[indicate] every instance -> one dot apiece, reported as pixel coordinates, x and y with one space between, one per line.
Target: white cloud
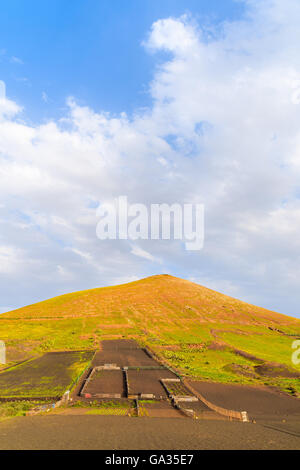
137 251
8 108
2 90
16 60
45 97
223 130
9 259
173 35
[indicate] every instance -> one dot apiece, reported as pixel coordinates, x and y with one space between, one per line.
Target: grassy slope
196 329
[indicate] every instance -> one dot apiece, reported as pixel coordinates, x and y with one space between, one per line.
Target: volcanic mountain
198 331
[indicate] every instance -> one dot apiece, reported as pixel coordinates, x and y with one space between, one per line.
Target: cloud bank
223 130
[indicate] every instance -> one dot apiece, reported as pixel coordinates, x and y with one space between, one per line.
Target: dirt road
112 432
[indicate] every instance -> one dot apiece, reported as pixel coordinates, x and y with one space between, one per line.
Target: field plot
261 403
47 376
201 411
124 357
147 382
105 407
158 409
119 344
177 388
106 382
109 412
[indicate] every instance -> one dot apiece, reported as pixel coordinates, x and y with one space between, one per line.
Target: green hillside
200 332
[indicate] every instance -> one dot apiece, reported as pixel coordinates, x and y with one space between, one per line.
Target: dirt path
112 432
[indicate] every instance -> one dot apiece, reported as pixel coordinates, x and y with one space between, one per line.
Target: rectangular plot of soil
257 401
178 389
161 409
124 358
197 406
47 376
106 382
148 382
119 344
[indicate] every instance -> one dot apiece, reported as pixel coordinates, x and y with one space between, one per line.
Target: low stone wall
108 367
171 380
239 415
125 374
80 382
186 412
137 407
102 395
186 399
85 381
17 364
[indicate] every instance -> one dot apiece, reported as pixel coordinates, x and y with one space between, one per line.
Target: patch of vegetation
148 402
102 404
16 408
108 411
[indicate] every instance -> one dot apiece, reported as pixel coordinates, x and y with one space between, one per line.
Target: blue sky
90 49
161 101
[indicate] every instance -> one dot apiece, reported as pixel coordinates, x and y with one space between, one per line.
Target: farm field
124 357
177 389
152 402
199 332
144 377
48 376
111 407
158 409
143 381
106 381
119 345
261 403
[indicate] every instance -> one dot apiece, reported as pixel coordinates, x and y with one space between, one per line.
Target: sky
175 101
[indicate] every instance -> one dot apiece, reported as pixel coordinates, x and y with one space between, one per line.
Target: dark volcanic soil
106 381
260 403
159 409
148 381
123 357
275 370
118 344
50 371
113 432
